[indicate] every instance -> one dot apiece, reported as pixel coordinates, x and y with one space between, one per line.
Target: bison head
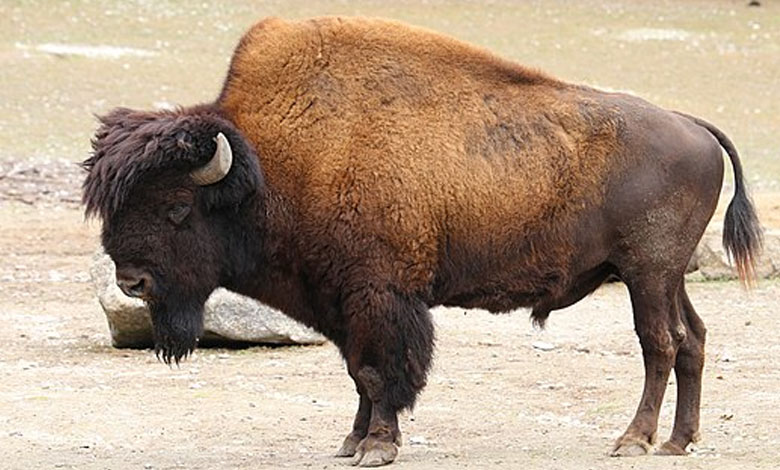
173 189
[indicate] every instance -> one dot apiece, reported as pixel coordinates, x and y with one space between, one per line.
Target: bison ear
184 141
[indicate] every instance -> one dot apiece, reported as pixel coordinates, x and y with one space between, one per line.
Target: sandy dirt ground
69 400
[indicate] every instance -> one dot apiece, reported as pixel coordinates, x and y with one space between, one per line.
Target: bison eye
178 212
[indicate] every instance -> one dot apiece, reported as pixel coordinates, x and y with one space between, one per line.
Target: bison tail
742 233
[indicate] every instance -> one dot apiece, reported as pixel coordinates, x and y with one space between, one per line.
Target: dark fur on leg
394 356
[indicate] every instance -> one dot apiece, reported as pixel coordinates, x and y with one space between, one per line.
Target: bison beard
178 325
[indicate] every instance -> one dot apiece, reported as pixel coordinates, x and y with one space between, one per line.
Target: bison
354 173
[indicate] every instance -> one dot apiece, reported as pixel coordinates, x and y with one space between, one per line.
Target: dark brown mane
130 145
125 148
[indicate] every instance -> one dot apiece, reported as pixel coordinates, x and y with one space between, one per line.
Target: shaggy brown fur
381 169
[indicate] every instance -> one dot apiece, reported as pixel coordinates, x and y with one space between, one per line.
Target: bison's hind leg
671 334
688 367
660 329
388 349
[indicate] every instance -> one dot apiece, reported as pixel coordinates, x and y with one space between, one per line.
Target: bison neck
260 243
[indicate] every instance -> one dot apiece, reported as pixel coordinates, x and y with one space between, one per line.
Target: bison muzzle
354 173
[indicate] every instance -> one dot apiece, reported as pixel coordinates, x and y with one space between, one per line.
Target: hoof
628 446
373 452
670 448
349 447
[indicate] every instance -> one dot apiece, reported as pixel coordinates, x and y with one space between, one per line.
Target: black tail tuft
742 234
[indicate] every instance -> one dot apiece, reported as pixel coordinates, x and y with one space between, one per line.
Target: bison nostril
134 284
138 288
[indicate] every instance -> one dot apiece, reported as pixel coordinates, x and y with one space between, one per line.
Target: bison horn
219 165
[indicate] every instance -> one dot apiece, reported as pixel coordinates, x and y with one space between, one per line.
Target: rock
550 386
726 356
228 317
543 346
711 262
418 441
128 318
232 316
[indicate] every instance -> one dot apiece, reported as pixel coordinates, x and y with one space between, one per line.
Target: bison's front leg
388 351
380 446
359 427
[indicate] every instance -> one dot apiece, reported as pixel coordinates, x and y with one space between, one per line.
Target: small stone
543 346
418 441
555 386
726 356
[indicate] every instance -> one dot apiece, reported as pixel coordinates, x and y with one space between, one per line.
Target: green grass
725 72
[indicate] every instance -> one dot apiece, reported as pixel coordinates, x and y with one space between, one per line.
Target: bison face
166 253
175 191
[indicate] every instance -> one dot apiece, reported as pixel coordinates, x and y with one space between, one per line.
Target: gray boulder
710 262
228 317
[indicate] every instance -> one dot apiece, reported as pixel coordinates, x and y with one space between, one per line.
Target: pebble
726 356
550 386
418 441
543 346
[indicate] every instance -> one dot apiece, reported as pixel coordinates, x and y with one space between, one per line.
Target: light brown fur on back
380 130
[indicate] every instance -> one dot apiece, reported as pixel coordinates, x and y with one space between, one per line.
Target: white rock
93 52
654 34
543 346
